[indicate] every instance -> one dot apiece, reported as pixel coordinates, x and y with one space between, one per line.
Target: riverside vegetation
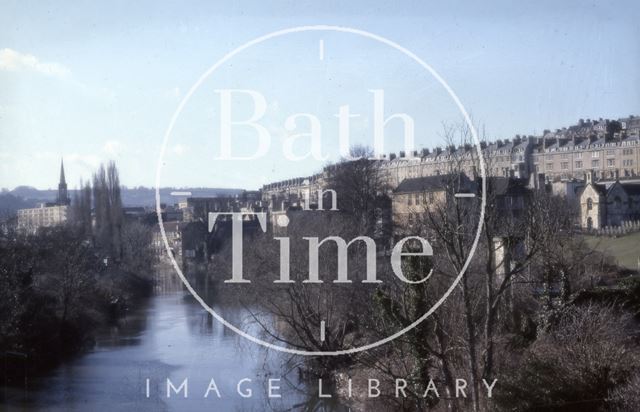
61 283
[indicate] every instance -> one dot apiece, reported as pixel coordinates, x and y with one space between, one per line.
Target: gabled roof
433 183
582 143
505 186
600 188
632 189
522 145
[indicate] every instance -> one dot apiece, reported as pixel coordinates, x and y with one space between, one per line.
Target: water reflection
173 338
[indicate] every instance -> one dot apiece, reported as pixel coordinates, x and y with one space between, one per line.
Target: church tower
63 197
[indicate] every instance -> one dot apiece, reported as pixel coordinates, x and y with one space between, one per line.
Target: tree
360 187
579 364
108 210
81 209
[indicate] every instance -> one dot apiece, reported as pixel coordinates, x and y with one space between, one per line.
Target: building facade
605 147
604 204
47 214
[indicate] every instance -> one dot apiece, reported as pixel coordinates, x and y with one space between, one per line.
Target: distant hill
26 196
9 203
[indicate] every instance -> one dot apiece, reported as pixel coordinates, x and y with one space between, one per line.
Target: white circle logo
283 220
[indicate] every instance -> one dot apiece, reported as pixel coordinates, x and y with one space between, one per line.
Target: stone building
605 204
602 148
47 214
197 209
416 196
172 231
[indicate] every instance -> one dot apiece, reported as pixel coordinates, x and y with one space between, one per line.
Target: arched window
589 204
617 202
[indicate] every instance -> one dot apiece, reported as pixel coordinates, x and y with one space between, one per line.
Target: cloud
179 149
113 147
46 155
11 60
87 160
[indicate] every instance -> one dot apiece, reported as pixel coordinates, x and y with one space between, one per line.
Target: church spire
63 197
62 180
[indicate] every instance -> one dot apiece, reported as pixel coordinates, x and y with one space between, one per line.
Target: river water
171 337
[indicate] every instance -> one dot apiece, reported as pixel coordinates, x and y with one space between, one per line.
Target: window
627 162
595 154
579 164
589 204
579 155
595 163
431 197
409 200
611 162
549 166
611 152
564 156
617 202
564 165
627 152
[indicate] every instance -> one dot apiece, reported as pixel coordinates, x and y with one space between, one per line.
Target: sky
92 82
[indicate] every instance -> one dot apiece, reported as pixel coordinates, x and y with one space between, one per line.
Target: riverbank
171 337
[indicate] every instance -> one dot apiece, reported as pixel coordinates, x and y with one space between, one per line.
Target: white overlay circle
283 32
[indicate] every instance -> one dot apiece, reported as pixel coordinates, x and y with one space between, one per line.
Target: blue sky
91 82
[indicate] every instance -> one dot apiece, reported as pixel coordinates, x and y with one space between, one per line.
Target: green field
625 249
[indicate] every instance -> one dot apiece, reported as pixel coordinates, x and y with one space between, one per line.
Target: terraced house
604 149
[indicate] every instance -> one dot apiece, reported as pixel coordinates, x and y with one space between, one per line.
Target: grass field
625 249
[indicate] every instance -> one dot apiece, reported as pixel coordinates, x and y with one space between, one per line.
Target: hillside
26 196
625 249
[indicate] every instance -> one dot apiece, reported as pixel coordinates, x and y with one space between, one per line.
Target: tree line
61 282
526 311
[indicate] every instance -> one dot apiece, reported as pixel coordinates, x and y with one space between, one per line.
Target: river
169 338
